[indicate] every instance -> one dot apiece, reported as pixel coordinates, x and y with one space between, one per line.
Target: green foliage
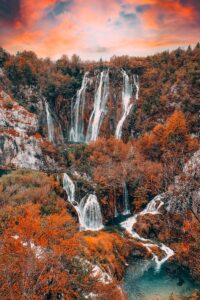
8 104
24 186
197 45
3 57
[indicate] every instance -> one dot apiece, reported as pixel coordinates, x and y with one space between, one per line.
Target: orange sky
98 28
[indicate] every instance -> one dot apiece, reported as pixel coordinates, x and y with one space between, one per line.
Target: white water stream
152 208
99 109
125 200
77 126
49 123
127 101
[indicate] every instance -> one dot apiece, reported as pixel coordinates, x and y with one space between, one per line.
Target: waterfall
127 93
152 208
69 187
125 200
99 109
91 213
77 123
88 210
116 212
49 123
126 103
137 85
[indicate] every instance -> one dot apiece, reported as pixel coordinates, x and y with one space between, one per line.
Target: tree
3 57
197 45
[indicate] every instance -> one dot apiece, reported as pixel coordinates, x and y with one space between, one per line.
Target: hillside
99 162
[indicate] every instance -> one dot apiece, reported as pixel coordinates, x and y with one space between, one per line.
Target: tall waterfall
77 126
126 103
125 200
127 93
152 208
49 123
137 85
88 210
91 213
99 110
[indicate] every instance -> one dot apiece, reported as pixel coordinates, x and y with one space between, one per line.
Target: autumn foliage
42 253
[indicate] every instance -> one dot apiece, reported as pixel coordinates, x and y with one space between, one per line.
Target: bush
8 104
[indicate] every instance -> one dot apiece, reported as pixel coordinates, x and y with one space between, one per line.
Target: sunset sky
98 28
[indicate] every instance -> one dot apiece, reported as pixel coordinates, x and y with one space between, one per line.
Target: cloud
97 28
131 18
142 8
9 11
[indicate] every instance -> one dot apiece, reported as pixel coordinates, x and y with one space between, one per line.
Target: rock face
20 144
184 194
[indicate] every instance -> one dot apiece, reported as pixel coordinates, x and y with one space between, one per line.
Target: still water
141 282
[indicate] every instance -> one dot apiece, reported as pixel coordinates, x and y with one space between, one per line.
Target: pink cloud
101 28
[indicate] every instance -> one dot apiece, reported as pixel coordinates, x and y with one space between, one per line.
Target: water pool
141 282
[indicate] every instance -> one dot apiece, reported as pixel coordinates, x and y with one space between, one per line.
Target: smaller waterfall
49 123
116 212
152 208
126 102
88 210
69 187
91 213
77 122
125 200
99 110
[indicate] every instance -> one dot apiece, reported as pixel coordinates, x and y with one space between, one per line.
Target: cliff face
21 144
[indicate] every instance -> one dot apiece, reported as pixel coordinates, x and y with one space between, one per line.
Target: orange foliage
168 144
113 156
42 255
37 136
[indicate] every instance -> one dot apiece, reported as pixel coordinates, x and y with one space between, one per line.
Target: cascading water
49 123
88 210
137 85
125 200
91 213
152 208
99 110
77 123
126 102
127 93
69 187
116 212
